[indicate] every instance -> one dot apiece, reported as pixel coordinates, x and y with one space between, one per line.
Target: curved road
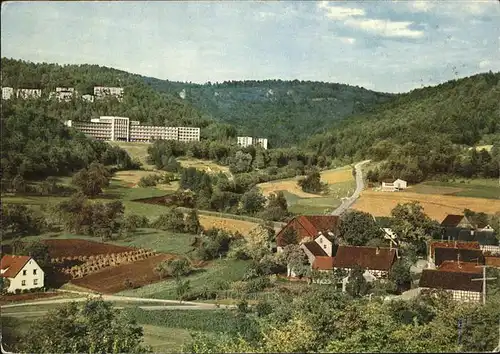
348 202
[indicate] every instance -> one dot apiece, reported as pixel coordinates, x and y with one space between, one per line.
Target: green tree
400 275
289 237
253 201
91 327
311 183
182 288
192 223
357 285
91 181
357 228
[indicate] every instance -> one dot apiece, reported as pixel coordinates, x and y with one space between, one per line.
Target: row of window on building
124 129
63 93
245 141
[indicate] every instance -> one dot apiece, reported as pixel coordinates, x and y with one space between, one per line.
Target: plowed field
76 247
436 206
113 279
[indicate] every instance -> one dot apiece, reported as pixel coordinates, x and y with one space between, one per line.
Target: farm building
308 228
455 278
460 228
464 254
375 260
22 272
397 185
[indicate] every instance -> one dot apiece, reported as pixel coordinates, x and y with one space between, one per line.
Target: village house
309 228
441 251
458 278
22 272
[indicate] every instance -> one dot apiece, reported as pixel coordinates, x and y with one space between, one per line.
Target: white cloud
356 18
421 6
347 40
340 12
484 64
385 28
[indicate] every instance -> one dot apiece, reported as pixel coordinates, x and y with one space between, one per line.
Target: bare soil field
436 206
113 279
291 186
6 299
76 247
232 225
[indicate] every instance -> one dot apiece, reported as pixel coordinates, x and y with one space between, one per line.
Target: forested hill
285 112
426 131
140 102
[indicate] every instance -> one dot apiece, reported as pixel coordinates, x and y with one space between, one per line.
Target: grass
165 340
224 269
195 320
323 204
474 188
205 165
137 151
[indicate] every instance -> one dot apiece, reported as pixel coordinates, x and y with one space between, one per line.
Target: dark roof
452 220
13 265
438 279
315 249
451 254
365 257
323 263
311 225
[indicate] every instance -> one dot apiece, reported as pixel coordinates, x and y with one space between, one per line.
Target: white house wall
32 281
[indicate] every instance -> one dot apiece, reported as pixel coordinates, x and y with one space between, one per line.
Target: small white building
23 273
29 93
245 141
88 98
397 185
7 93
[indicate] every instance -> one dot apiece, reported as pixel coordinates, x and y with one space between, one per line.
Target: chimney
455 244
458 260
377 251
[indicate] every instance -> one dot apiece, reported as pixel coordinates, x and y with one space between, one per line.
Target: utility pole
484 279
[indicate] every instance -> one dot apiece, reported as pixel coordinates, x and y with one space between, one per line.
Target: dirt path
348 202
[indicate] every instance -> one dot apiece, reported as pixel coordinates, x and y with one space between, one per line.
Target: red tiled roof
365 257
462 267
315 249
323 263
437 279
452 220
310 226
13 264
472 245
493 261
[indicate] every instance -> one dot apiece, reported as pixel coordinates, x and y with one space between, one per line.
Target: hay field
232 225
137 151
436 206
290 185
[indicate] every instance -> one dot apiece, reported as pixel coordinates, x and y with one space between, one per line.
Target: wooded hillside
285 112
425 132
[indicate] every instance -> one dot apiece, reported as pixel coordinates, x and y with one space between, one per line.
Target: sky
389 46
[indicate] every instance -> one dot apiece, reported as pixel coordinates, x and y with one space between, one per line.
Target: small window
324 246
23 283
24 272
35 281
34 271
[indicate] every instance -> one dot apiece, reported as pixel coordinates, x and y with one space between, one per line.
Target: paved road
172 304
347 203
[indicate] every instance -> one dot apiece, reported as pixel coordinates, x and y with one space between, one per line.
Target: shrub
263 308
18 291
149 180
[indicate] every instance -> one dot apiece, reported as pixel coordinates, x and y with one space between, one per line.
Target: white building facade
23 273
7 93
245 141
123 129
101 92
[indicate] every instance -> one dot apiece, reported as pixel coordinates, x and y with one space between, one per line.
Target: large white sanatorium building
245 141
122 128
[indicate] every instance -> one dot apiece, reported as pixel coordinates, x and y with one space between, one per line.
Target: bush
149 180
263 308
257 284
18 291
